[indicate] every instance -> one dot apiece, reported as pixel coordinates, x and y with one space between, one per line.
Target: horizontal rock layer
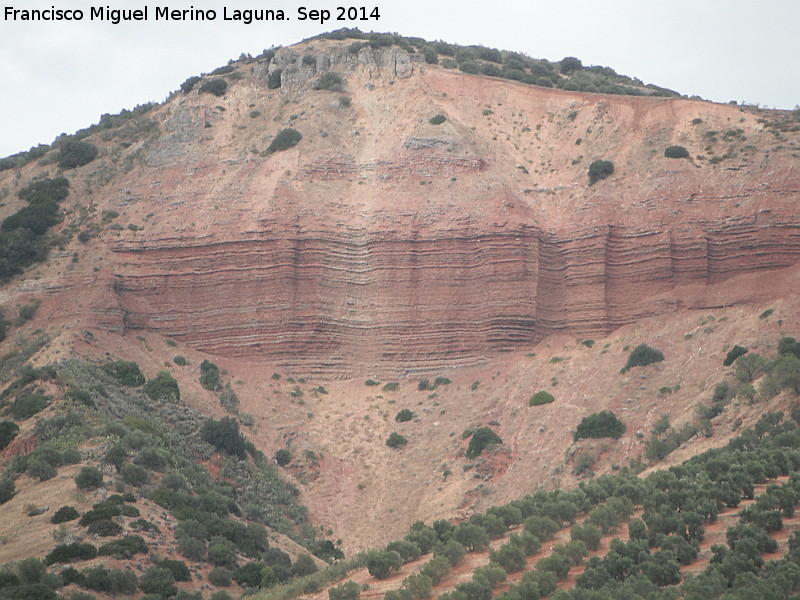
324 303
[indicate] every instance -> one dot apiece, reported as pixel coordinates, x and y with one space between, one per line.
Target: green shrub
283 457
733 354
64 514
392 386
180 360
285 139
600 169
220 576
470 67
40 469
395 440
371 383
163 387
8 431
404 415
482 438
104 528
346 591
209 376
217 87
178 568
73 154
159 581
676 152
27 405
152 458
125 547
304 565
382 564
67 553
188 85
641 356
125 372
541 397
603 424
224 436
330 81
437 120
249 575
89 478
7 489
570 64
134 475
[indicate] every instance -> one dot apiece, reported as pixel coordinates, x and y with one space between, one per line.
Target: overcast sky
58 77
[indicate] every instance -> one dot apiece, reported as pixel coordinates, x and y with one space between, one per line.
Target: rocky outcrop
325 302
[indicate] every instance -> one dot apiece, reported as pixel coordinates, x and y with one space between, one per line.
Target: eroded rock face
385 243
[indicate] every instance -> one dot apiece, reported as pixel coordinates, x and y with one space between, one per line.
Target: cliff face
383 242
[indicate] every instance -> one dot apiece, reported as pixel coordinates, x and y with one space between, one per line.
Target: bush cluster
603 424
285 139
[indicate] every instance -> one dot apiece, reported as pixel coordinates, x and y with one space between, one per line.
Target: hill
325 293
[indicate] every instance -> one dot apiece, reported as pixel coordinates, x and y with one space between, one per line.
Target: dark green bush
73 154
70 553
249 575
153 458
600 169
209 376
437 119
482 438
89 478
217 87
55 189
541 397
382 564
349 590
7 489
125 372
330 81
64 514
27 405
104 528
220 576
180 360
283 457
163 387
430 54
395 440
641 356
676 152
285 139
159 581
224 436
8 431
134 475
40 469
404 415
304 565
570 64
188 85
125 547
733 354
178 568
603 424
470 67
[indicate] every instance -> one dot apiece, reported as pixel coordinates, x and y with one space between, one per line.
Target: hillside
349 241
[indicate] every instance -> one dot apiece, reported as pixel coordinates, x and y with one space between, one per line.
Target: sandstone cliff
385 243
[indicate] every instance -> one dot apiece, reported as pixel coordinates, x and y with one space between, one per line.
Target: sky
60 76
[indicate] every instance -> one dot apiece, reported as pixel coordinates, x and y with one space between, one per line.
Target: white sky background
59 77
